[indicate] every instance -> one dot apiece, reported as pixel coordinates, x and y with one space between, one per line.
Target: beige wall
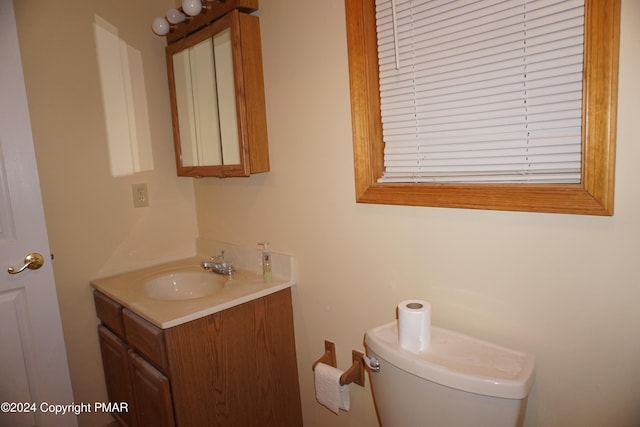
565 288
93 228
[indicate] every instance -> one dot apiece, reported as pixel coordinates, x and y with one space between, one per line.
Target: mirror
203 76
216 114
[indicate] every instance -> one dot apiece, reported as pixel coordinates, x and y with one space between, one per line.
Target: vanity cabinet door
152 394
115 361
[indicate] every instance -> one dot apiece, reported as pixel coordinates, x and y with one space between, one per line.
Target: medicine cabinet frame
250 109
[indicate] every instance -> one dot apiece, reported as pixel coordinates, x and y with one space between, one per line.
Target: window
594 193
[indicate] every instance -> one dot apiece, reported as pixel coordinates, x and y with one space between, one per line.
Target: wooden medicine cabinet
217 95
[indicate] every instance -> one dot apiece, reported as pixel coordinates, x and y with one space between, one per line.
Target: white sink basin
184 285
175 292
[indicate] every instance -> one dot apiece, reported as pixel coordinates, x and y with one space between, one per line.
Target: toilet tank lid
458 361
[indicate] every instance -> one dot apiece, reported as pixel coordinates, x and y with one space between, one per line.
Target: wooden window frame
593 196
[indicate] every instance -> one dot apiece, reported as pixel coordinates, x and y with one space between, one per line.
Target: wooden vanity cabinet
234 368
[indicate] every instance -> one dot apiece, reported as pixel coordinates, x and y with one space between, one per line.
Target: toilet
458 381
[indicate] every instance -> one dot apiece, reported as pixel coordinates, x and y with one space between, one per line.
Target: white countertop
128 290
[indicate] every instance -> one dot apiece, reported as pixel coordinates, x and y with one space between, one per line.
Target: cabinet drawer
146 338
109 312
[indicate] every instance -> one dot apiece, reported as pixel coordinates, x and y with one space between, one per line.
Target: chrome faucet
219 265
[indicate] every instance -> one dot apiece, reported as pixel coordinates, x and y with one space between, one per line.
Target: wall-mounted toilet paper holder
355 374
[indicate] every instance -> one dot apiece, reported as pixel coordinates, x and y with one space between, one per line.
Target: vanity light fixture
174 16
192 7
162 25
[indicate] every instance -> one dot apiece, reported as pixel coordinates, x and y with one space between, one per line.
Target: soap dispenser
267 275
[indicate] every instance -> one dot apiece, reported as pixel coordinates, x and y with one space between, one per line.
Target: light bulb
192 7
174 16
160 26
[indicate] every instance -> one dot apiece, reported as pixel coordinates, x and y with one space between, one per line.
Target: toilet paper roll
414 325
329 391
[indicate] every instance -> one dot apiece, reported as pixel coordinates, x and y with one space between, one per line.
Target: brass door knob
32 261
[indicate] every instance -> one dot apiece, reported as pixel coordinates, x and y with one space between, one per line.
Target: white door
33 364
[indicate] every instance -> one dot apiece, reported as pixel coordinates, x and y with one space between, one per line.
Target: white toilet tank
458 381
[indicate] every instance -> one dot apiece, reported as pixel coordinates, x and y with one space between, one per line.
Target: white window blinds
481 91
